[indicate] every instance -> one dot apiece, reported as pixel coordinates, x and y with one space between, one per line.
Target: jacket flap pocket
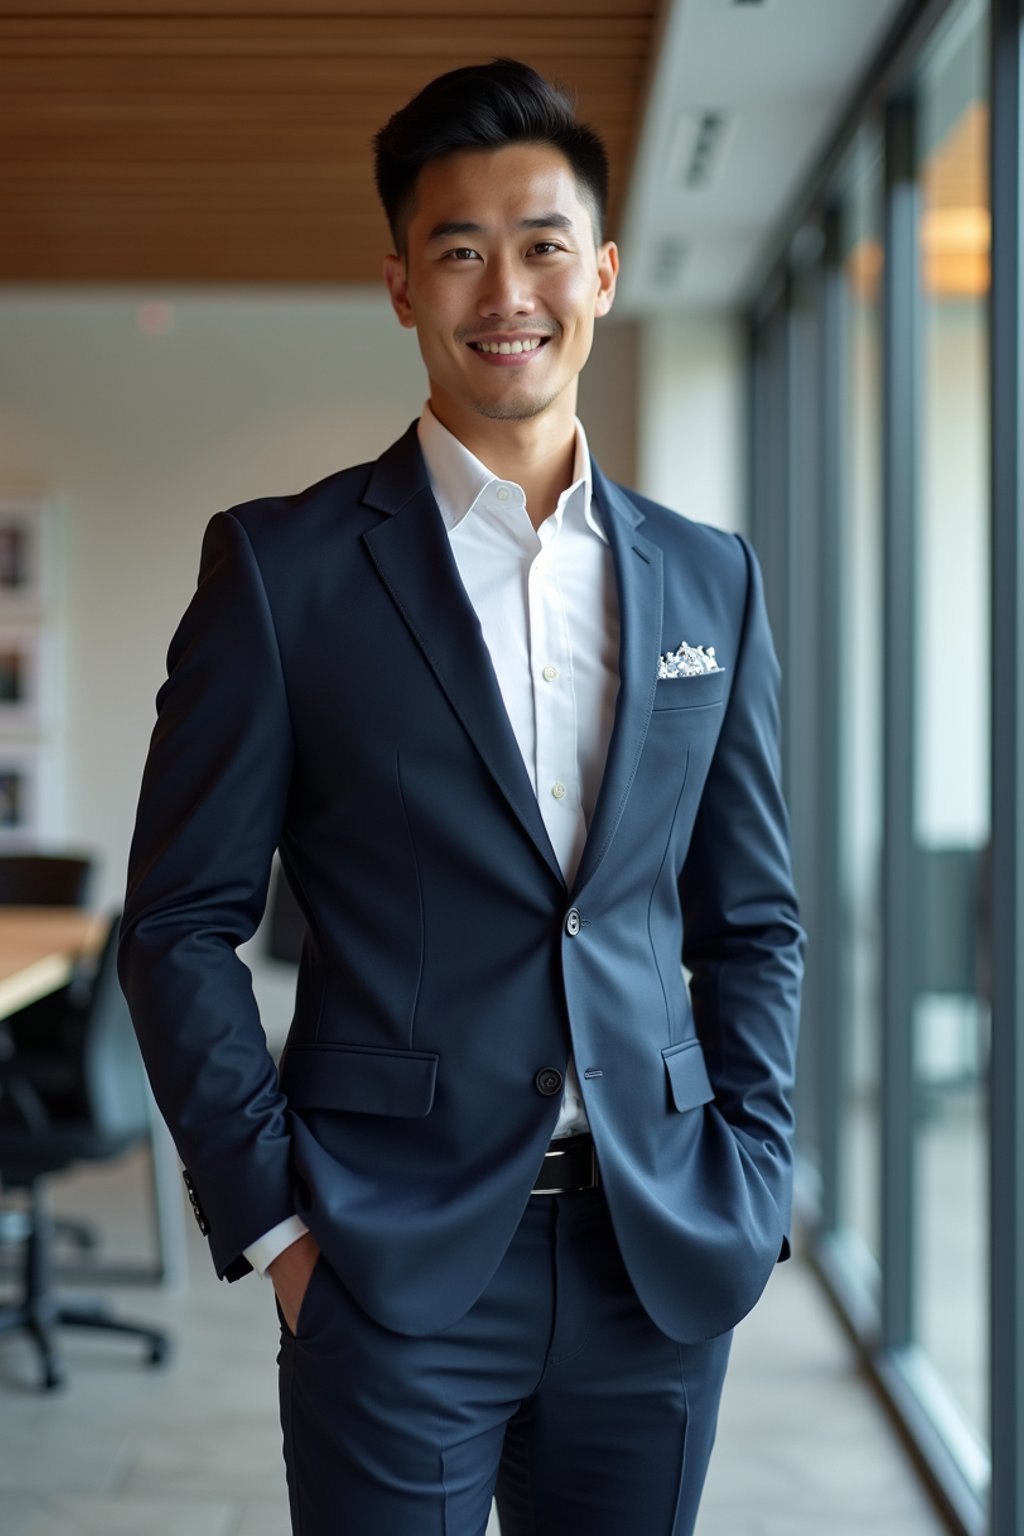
688 1075
360 1079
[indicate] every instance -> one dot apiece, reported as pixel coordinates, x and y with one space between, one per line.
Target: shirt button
550 673
558 790
503 493
573 922
548 1081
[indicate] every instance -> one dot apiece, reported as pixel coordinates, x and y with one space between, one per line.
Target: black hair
485 106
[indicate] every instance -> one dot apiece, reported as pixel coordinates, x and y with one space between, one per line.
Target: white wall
691 446
142 438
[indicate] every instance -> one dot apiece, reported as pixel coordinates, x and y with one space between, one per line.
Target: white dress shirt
548 607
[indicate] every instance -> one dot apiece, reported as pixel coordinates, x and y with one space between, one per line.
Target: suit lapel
412 552
638 573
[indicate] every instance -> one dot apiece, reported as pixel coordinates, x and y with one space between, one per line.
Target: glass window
861 696
952 716
801 721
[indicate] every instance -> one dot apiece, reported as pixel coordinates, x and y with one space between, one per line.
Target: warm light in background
955 232
154 317
955 229
966 231
864 270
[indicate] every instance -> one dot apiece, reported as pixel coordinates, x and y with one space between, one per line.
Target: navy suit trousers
555 1391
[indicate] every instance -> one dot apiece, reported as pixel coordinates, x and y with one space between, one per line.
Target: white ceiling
778 75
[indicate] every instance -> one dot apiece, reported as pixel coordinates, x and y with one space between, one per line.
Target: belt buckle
565 1189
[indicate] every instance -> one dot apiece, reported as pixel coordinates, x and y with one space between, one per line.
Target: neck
539 453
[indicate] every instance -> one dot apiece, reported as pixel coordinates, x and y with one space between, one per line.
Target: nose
506 290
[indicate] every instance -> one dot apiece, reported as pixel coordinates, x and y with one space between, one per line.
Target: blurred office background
818 339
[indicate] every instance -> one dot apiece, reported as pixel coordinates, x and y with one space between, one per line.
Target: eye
546 247
461 253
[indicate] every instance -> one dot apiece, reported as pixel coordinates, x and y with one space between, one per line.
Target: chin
515 407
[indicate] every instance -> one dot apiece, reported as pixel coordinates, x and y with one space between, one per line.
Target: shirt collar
458 479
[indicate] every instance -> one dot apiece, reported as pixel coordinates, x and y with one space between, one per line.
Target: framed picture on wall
19 795
21 677
24 558
30 719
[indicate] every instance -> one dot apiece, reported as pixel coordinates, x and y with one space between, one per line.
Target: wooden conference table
40 948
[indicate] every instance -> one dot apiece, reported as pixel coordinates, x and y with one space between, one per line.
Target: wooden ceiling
227 141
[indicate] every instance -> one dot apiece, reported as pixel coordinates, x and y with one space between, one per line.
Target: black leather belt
570 1163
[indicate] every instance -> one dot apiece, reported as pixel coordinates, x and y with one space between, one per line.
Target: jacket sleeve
742 938
209 818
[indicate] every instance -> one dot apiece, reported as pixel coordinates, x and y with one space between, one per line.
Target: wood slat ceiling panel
385 35
160 142
35 115
270 76
66 11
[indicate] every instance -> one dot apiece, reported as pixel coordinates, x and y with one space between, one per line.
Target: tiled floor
194 1449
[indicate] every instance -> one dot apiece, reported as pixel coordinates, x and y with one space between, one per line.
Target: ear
397 280
607 273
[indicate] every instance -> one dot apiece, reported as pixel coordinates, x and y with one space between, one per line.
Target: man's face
501 281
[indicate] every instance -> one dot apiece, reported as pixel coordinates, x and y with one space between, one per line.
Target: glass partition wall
950 1019
881 322
860 654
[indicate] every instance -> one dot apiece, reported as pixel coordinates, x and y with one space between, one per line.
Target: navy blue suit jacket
330 694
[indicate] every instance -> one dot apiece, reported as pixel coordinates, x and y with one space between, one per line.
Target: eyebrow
466 227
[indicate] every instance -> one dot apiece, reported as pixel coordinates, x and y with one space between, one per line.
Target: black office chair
83 1101
45 879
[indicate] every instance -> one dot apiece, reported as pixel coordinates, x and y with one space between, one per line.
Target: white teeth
509 348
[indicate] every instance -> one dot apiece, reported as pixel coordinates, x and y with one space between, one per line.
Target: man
513 730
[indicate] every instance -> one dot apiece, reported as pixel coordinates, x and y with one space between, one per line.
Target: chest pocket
704 688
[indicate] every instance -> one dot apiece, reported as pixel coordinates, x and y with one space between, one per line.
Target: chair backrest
44 879
113 1076
952 914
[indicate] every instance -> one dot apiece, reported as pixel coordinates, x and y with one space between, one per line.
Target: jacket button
197 1209
548 1081
572 922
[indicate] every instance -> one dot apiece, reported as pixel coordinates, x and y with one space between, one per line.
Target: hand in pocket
290 1273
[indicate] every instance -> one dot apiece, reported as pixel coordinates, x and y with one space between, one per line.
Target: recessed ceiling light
154 317
699 146
669 262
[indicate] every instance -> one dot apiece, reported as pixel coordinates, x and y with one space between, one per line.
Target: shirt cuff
262 1253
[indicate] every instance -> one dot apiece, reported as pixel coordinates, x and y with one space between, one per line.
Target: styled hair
485 106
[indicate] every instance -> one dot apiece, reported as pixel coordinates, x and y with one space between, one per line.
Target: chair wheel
159 1351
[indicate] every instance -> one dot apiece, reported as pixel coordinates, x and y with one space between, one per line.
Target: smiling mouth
509 348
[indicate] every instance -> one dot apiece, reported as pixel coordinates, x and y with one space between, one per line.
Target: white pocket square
688 661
